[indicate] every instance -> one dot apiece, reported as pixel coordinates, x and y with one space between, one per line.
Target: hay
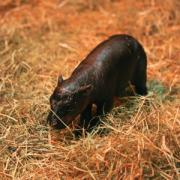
41 39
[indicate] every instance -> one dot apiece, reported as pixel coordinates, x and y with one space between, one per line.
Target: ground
40 40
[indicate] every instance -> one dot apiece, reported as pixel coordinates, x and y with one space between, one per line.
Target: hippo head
67 103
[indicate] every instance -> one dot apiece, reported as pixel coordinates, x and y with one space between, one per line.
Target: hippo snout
55 121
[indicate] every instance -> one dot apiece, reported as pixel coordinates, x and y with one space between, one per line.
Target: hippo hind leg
140 77
139 81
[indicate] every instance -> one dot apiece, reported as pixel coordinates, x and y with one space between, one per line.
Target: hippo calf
101 76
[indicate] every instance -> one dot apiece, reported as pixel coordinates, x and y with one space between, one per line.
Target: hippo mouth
59 123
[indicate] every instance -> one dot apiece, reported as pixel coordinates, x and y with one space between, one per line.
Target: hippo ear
84 90
60 80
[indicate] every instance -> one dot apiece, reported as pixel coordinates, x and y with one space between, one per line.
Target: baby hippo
101 76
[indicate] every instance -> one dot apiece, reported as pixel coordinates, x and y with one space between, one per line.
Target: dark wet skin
101 76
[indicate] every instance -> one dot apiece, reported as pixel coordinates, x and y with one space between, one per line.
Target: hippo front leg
102 109
86 117
85 120
105 107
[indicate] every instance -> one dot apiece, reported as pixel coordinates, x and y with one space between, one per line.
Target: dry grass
40 39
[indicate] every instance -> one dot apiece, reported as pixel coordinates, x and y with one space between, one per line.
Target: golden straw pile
40 40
